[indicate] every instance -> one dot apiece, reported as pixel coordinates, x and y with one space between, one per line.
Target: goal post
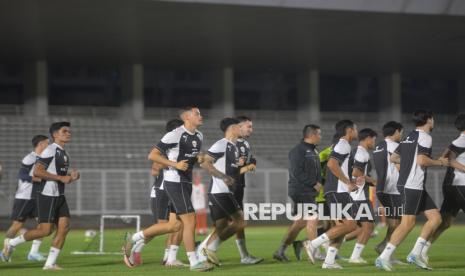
103 218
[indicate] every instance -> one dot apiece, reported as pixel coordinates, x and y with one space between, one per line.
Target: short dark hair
57 126
173 124
460 122
310 129
366 133
391 127
421 116
186 108
243 118
226 122
342 126
37 139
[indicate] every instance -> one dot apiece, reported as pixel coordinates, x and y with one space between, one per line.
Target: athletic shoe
383 264
358 260
128 257
36 257
7 251
211 256
298 245
176 263
137 258
52 267
416 260
251 260
310 251
201 267
424 258
280 257
331 266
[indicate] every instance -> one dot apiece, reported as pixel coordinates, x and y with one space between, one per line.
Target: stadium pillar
223 92
390 97
308 95
461 96
132 87
36 88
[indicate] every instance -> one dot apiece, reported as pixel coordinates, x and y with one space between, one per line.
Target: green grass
446 256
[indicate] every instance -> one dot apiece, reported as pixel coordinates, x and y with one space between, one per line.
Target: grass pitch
446 257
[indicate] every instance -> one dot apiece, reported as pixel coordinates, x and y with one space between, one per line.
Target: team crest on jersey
242 149
194 144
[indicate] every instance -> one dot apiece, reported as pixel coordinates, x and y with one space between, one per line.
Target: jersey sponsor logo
407 141
378 149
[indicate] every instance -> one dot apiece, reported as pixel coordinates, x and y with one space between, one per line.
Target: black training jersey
412 175
244 152
341 152
226 158
56 161
453 176
25 188
177 145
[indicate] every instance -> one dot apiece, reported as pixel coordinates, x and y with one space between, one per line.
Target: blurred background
119 69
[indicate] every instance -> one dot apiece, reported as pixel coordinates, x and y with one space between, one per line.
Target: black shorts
454 199
417 201
392 205
163 205
179 194
222 205
301 200
24 209
239 195
51 208
343 199
368 214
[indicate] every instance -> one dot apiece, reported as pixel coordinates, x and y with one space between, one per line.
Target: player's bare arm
156 156
41 172
333 165
207 164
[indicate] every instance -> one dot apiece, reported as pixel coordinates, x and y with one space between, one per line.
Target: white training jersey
361 159
24 190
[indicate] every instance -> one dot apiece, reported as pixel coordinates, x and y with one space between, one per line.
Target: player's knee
45 230
436 220
175 226
351 225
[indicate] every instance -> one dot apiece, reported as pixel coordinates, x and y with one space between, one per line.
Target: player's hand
74 175
318 187
229 181
200 158
182 165
352 186
241 162
444 161
251 167
66 179
360 181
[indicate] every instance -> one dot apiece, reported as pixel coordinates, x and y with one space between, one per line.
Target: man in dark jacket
304 184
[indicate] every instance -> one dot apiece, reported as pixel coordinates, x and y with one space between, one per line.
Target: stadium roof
178 34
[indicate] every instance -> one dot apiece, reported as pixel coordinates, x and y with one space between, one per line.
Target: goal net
103 242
